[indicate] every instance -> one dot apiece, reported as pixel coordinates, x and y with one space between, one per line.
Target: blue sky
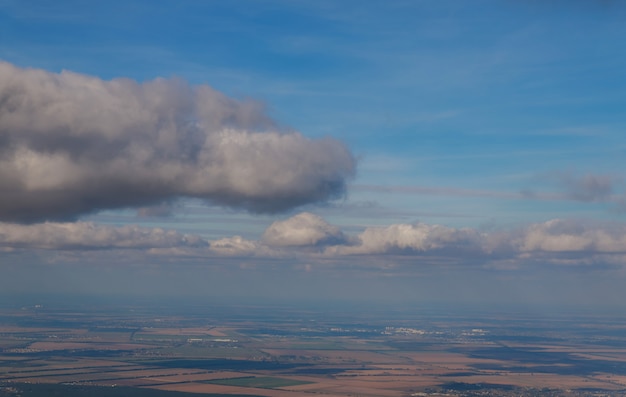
493 117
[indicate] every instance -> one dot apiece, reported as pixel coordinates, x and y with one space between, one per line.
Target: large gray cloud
71 144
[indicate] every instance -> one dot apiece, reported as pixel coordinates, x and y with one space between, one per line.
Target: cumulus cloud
408 238
557 239
71 144
571 236
235 245
87 235
304 229
308 237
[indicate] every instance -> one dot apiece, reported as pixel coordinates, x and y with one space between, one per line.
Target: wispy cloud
588 187
584 188
437 190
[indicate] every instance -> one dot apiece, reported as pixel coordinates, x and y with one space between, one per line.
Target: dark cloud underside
72 144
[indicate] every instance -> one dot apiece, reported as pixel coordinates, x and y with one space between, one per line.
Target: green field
261 382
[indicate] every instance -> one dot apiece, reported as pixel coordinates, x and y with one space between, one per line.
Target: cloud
237 246
437 191
558 241
308 238
570 236
412 238
588 188
304 229
72 144
162 210
87 235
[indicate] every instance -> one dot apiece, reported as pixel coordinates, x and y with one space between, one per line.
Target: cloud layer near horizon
310 238
72 144
87 235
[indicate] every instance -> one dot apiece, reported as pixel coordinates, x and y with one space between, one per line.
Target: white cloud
308 238
71 144
87 235
304 229
569 236
235 245
411 238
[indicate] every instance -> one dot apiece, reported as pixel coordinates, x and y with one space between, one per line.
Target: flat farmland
280 354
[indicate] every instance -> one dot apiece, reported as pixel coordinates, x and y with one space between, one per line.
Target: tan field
285 360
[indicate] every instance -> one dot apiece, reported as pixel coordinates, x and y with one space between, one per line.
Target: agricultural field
263 382
214 351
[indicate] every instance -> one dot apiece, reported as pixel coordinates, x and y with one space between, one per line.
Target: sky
370 151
